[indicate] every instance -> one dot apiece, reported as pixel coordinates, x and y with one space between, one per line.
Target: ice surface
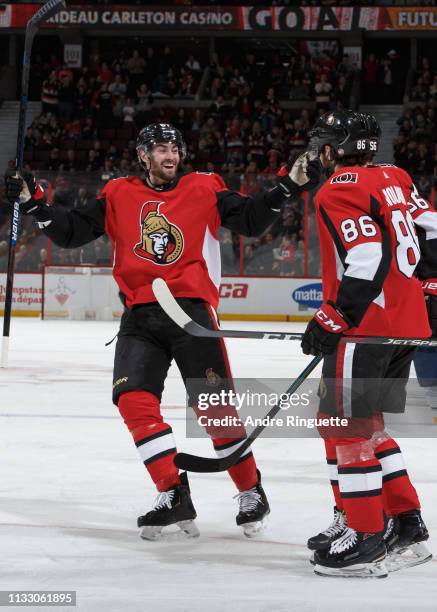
72 486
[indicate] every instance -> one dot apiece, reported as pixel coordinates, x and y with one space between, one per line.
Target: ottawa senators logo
161 241
212 378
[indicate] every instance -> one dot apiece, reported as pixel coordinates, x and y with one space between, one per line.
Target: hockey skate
253 510
323 540
353 555
172 507
406 549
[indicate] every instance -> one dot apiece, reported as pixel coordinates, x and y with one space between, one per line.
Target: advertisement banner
27 294
177 18
411 18
294 298
80 294
276 18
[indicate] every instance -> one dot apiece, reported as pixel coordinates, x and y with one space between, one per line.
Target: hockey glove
429 287
302 175
324 331
26 189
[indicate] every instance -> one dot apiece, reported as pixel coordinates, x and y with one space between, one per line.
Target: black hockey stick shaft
193 463
180 317
49 9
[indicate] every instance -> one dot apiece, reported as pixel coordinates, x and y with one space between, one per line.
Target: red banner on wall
278 18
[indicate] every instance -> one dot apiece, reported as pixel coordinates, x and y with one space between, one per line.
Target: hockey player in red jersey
370 251
165 225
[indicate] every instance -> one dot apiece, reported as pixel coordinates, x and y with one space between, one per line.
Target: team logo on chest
161 242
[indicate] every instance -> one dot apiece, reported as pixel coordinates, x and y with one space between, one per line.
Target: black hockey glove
324 331
429 287
26 189
31 195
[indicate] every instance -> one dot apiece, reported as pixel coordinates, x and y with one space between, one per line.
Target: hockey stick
180 317
49 9
193 463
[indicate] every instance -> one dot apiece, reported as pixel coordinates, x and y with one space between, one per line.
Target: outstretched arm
250 216
68 229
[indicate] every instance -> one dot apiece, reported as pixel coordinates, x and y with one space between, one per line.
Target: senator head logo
160 241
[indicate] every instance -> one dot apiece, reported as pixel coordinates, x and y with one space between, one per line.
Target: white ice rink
72 487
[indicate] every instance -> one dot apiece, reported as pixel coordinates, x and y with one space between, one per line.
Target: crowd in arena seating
415 147
90 116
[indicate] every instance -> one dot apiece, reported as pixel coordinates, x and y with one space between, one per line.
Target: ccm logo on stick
233 290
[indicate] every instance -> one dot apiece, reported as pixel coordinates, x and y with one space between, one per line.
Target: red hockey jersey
172 233
370 250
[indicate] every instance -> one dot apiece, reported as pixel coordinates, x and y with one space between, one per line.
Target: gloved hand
429 287
324 331
26 188
303 174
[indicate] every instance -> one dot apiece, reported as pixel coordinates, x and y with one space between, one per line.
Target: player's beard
158 171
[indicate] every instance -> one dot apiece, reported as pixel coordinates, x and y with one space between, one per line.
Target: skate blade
188 529
251 530
412 555
377 569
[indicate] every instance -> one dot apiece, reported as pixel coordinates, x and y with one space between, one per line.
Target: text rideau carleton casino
144 18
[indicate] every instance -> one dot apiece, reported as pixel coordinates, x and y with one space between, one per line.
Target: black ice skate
253 510
406 549
172 507
324 539
353 555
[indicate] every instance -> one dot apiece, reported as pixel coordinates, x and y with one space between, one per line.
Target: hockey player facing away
166 226
366 219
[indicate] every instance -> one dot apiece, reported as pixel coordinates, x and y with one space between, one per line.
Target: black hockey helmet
157 133
349 133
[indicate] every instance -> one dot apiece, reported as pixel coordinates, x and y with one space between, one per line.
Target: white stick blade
5 352
167 302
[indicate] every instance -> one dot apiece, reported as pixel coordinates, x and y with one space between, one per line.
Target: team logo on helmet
161 242
330 120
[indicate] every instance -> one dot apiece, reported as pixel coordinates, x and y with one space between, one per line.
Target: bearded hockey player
366 217
165 225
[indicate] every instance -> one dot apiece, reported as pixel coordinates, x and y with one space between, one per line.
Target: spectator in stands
136 66
144 100
128 111
66 98
322 90
104 74
93 163
103 106
117 87
370 78
70 164
49 94
341 93
82 199
82 99
88 128
54 161
42 260
192 64
285 256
